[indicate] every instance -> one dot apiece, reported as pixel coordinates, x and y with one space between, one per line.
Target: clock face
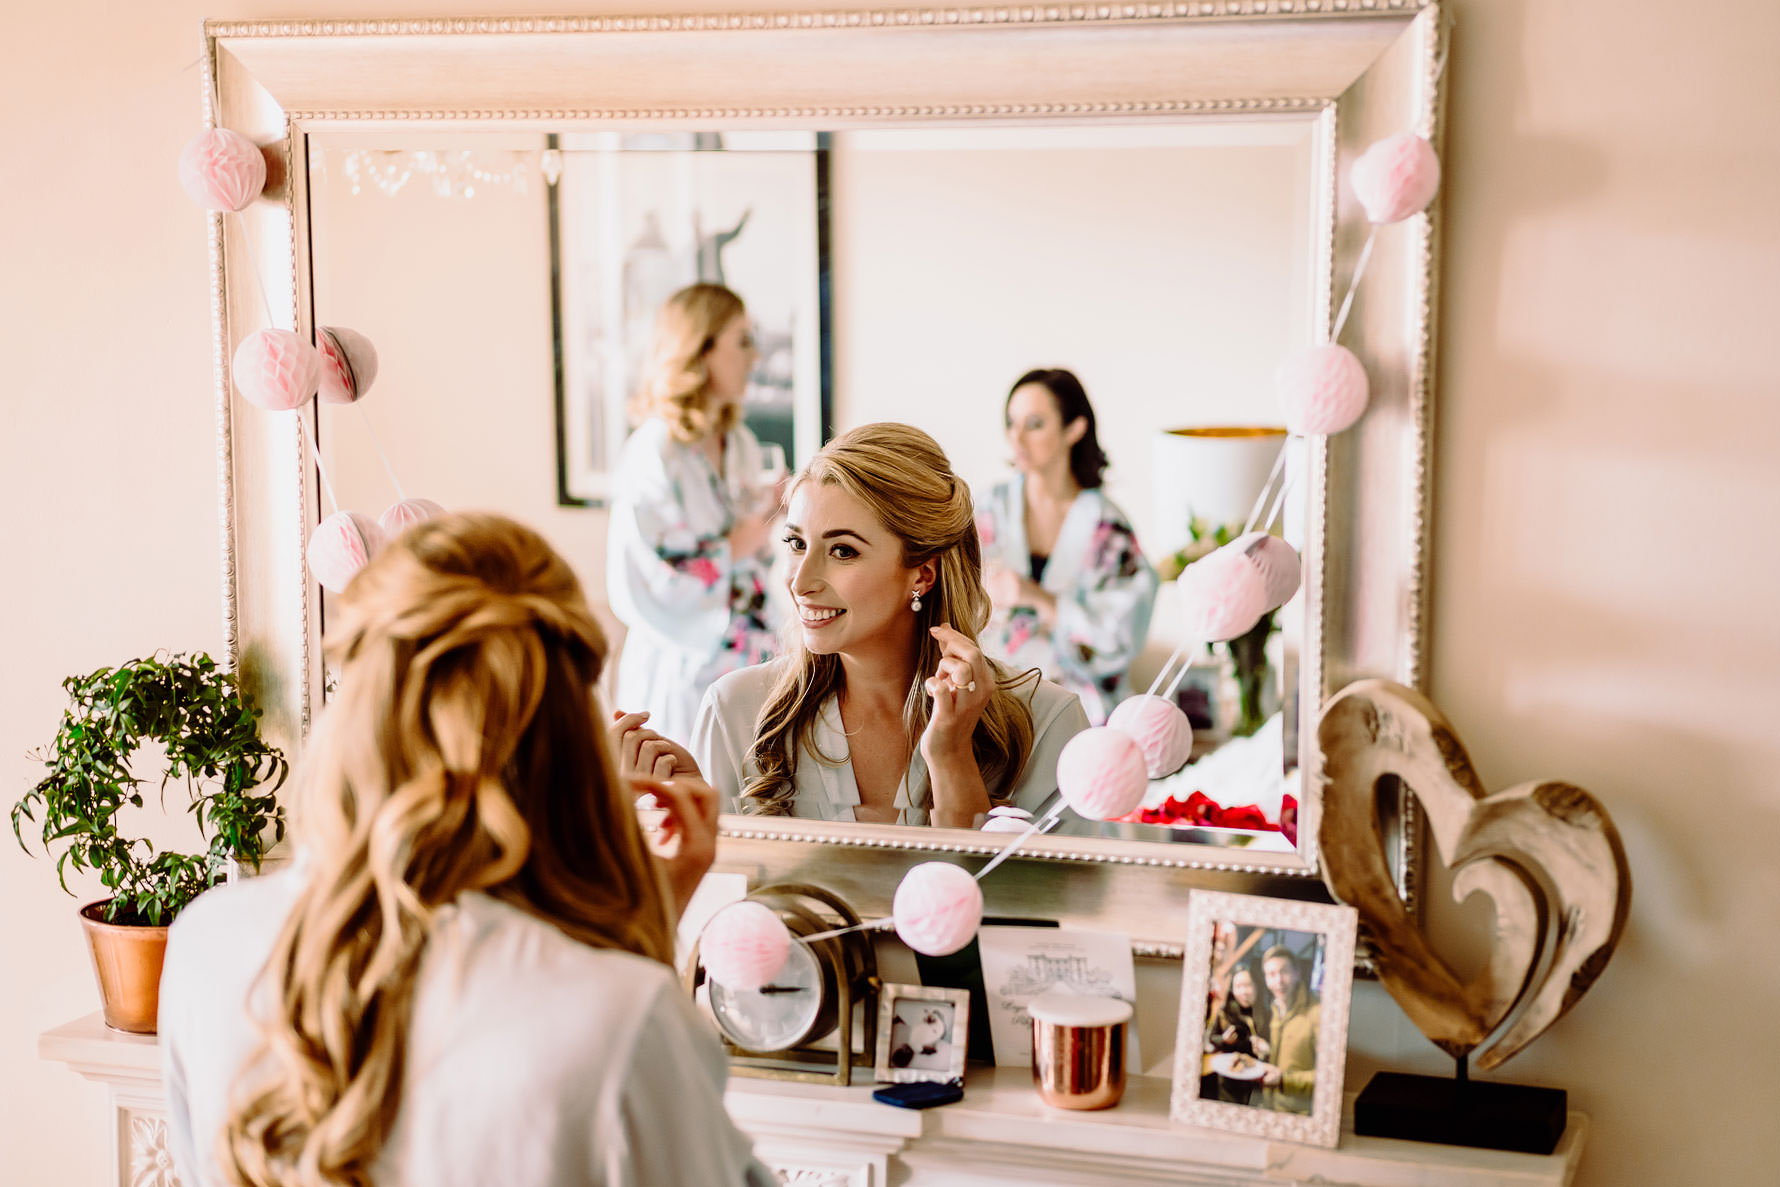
775 1016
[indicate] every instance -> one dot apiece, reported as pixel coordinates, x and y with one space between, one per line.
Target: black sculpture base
1461 1112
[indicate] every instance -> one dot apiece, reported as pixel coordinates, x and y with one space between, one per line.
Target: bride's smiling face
845 572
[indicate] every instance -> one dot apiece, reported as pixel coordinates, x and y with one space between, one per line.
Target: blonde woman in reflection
1072 591
688 542
464 978
884 710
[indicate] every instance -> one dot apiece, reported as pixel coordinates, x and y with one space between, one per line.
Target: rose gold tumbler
1078 1049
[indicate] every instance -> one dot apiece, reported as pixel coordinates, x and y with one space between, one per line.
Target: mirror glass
509 283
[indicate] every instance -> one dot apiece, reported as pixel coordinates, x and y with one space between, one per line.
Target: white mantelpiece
818 1136
130 1068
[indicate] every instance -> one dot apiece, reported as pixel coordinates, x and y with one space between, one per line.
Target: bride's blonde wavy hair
902 475
677 381
463 751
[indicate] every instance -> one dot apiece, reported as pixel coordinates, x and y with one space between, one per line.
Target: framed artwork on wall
633 219
1265 989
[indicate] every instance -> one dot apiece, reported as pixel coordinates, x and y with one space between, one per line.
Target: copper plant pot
127 960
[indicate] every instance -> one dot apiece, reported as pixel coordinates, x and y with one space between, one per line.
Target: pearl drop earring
915 601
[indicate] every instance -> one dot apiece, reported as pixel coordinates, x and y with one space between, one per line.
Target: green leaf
209 733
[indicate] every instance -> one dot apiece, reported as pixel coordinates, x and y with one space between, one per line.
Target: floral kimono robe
1104 588
693 611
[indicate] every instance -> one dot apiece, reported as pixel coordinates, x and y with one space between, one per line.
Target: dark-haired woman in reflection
1234 1026
1072 591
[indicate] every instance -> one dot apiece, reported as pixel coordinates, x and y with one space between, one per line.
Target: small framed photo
922 1034
1265 988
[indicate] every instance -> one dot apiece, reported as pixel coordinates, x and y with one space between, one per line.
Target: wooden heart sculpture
1546 853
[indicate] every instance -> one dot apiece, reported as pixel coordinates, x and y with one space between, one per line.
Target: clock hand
782 989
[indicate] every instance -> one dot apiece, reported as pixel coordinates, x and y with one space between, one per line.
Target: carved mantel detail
151 1162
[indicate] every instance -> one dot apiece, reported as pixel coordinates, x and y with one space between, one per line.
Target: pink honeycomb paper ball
1278 563
744 946
1321 389
276 370
1101 773
222 170
1396 177
340 546
1161 731
1222 595
348 364
937 908
405 514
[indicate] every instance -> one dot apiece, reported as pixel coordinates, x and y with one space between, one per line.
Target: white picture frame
923 1034
1271 940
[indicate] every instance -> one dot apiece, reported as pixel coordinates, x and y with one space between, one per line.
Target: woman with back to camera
1072 591
884 710
688 545
465 976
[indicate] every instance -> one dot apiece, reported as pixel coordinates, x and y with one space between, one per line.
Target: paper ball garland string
272 368
1322 390
277 370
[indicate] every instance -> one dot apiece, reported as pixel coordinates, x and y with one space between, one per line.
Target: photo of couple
1265 1012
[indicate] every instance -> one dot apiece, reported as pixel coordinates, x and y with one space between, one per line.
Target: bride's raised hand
961 686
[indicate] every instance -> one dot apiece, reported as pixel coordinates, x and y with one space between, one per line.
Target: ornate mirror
919 205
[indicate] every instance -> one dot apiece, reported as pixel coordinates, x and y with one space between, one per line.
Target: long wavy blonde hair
676 382
903 476
462 752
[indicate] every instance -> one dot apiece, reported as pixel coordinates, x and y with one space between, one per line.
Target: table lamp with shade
1210 473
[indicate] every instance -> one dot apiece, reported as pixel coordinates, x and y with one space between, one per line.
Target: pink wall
1603 597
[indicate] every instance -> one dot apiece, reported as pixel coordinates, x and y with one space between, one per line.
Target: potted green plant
211 739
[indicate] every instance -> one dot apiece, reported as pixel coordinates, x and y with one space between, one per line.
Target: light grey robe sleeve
179 1115
718 752
668 1123
1056 718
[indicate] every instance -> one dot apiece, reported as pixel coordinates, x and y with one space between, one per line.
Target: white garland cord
1192 649
1039 825
1353 284
1279 463
315 428
381 456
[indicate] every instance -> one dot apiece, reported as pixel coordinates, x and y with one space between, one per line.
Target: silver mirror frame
1362 68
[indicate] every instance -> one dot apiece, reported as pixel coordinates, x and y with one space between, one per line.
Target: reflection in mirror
511 284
